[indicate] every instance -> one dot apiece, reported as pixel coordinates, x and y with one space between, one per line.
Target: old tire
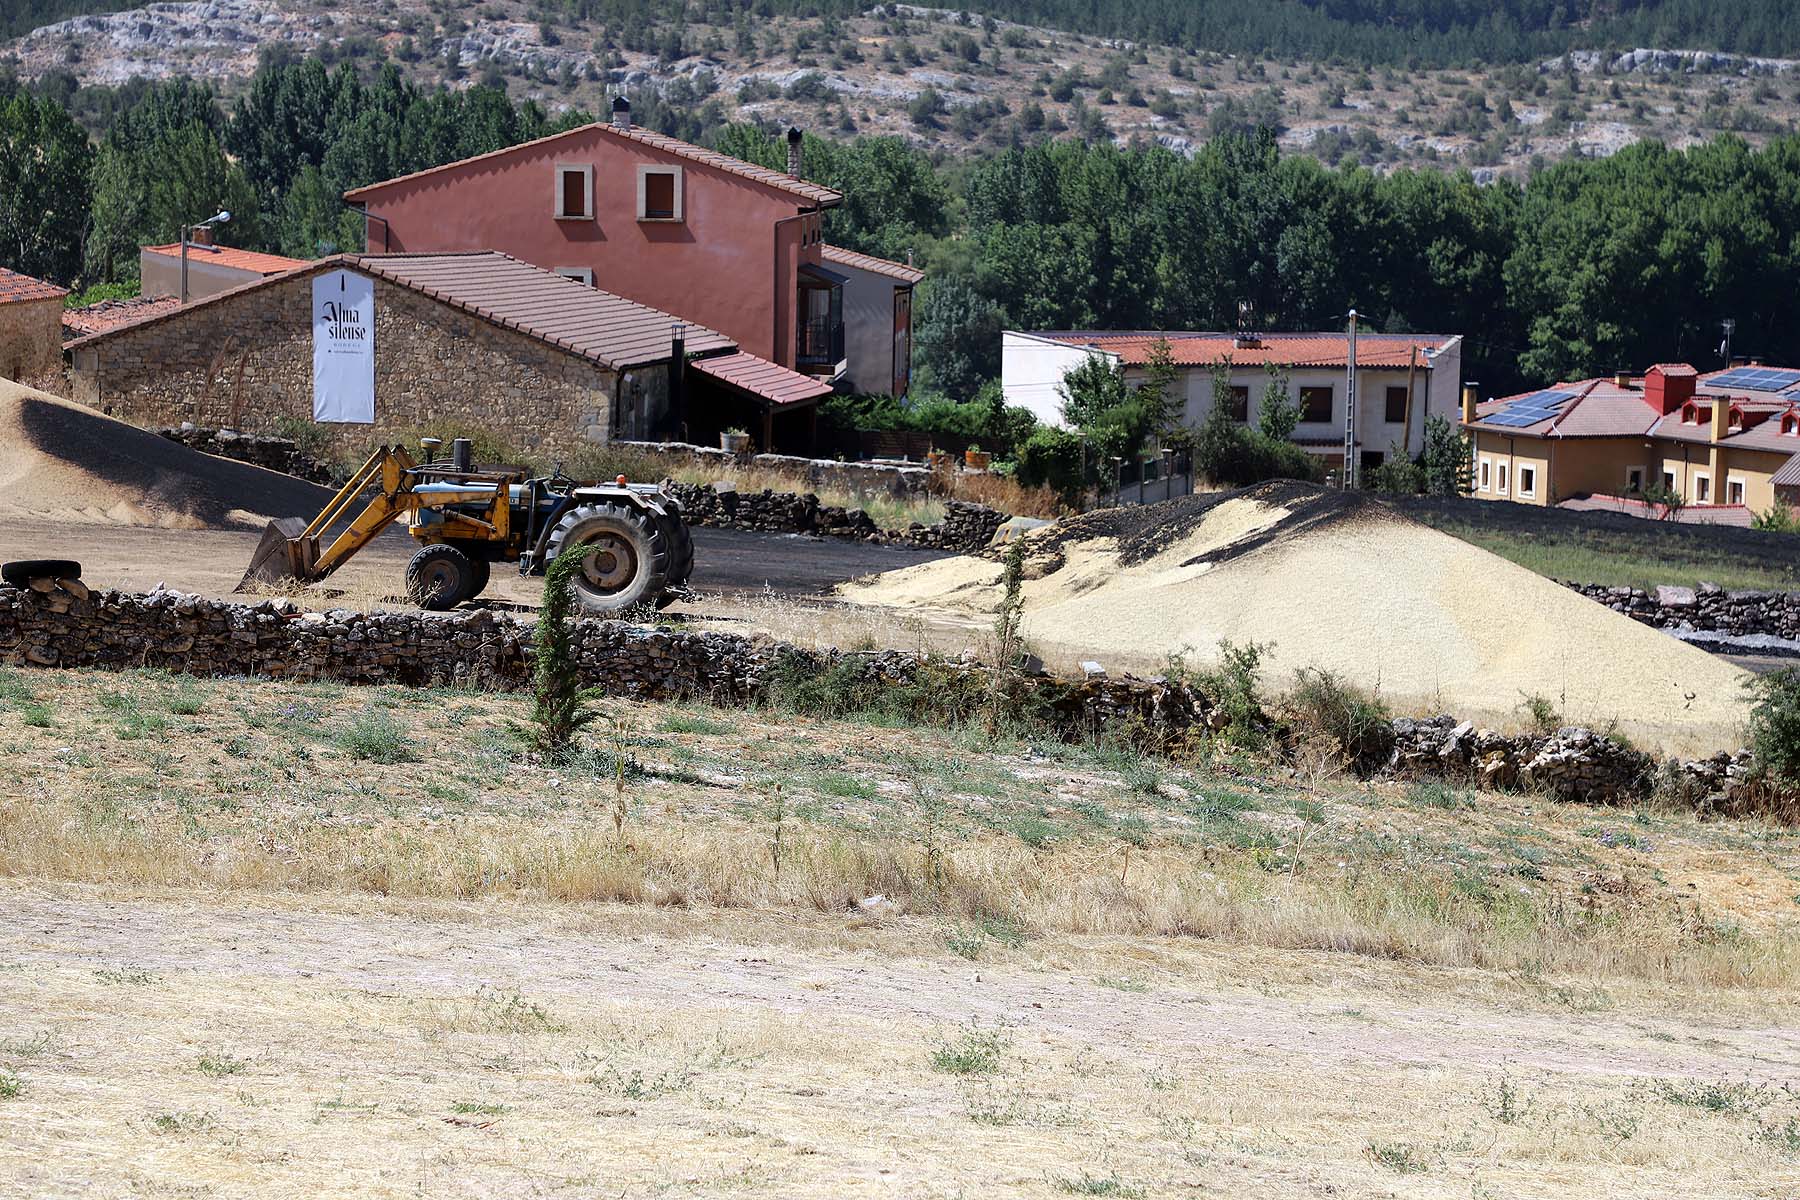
439 577
25 570
681 547
625 556
482 572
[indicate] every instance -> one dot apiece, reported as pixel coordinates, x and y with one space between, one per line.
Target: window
1528 481
1484 473
659 193
578 274
1240 403
1790 424
1315 404
1502 487
1734 420
1634 480
1702 488
1688 416
1734 491
574 193
1669 480
1396 406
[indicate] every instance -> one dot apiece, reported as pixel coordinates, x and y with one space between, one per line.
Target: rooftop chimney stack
202 235
621 113
1471 393
1668 386
794 159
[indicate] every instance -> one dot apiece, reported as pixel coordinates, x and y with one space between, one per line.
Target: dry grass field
310 940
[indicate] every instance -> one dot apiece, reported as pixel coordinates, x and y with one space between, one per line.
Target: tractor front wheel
440 577
625 558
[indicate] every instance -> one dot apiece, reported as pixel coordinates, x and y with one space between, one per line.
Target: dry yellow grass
253 947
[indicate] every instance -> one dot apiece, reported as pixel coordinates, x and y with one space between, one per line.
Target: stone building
30 327
473 344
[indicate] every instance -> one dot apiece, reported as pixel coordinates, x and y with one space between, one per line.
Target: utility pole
1350 409
218 218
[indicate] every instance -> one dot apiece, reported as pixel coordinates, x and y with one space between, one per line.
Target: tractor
636 548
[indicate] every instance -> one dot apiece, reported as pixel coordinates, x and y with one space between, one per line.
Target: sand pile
1340 582
63 460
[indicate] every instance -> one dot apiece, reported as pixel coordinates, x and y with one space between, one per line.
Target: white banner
343 317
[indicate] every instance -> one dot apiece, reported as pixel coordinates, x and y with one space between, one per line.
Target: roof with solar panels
1621 406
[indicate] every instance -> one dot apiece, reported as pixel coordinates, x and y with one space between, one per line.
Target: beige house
210 269
1723 442
30 327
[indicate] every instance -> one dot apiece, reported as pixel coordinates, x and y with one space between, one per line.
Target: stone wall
488 650
861 478
262 450
244 361
964 529
1740 613
31 339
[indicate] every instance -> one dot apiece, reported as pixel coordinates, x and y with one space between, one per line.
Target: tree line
1588 266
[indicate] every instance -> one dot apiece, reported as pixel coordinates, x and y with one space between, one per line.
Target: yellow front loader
635 545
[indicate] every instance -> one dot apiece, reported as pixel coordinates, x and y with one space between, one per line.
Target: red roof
1281 349
868 262
110 314
615 332
231 256
816 193
760 377
15 287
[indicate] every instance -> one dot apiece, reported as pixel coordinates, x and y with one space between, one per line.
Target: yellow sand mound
1346 584
63 460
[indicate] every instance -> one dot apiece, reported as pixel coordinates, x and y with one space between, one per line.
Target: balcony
821 344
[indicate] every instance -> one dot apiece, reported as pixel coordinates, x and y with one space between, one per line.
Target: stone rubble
1706 608
965 528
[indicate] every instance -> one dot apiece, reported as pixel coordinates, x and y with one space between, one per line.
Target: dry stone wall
862 478
244 361
1706 607
492 651
262 450
965 528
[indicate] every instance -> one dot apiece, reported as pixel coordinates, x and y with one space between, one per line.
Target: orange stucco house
724 243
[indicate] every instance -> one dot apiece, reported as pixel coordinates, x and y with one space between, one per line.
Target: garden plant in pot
734 441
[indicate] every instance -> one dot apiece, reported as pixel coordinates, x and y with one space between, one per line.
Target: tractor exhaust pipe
462 454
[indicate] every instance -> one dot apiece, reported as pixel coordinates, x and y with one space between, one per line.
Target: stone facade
483 649
1710 608
31 339
244 361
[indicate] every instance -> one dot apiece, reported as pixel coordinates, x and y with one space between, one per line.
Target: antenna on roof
1246 326
1730 327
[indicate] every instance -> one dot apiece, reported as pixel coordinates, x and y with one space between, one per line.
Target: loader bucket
279 556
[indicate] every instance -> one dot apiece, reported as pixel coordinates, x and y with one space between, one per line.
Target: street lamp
218 218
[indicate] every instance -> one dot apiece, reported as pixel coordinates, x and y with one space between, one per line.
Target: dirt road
222 1046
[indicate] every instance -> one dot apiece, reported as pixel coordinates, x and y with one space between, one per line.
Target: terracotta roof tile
1789 475
610 330
868 262
1282 349
110 314
815 193
15 287
231 256
760 377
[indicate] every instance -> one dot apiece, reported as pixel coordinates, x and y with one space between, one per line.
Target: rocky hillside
928 75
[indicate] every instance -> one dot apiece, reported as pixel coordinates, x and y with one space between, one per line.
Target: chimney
201 235
794 160
1622 380
1721 418
621 113
1471 391
1667 388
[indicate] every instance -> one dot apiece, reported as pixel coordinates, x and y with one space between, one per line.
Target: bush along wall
485 650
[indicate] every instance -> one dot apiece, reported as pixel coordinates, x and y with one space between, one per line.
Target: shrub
560 704
1779 517
1052 458
1355 721
377 737
1233 456
1545 719
1232 687
1775 723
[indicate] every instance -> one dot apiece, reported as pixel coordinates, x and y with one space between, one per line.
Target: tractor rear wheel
482 572
440 577
625 558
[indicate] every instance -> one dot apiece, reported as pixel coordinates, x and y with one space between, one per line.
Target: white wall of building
1032 370
160 275
869 341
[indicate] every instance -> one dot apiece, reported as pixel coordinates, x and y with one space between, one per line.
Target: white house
1400 378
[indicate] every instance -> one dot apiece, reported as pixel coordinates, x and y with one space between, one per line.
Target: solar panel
1515 419
1756 379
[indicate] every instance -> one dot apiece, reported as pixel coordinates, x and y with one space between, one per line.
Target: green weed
375 736
974 1051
